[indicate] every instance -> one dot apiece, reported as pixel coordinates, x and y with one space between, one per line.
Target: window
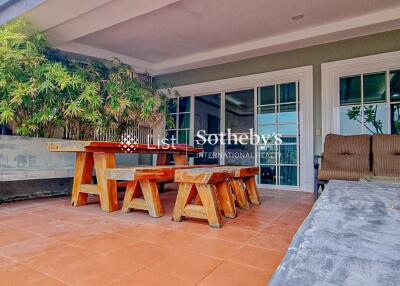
395 102
361 95
364 103
278 112
178 122
370 103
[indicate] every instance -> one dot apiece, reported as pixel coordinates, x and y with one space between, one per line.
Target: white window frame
330 83
302 75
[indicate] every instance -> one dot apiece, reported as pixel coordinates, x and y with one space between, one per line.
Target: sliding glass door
269 110
239 119
207 119
278 113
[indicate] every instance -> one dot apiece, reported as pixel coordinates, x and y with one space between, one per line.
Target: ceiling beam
52 13
89 16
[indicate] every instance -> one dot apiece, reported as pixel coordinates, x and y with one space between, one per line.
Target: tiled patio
48 242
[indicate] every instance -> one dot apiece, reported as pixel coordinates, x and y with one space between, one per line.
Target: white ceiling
164 36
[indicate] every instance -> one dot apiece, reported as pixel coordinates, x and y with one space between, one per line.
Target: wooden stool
142 181
214 194
244 184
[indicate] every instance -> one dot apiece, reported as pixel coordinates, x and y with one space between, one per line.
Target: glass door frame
302 75
276 123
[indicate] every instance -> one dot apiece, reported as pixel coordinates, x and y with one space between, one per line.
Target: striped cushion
386 155
346 157
327 175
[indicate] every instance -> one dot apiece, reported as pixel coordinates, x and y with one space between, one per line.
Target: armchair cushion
386 155
327 175
346 157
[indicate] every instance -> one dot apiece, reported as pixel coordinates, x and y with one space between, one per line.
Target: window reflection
239 118
207 117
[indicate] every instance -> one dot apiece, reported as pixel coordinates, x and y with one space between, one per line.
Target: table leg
107 188
240 192
181 159
252 190
83 175
162 159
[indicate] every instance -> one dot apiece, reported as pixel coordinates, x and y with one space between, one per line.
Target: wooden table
100 155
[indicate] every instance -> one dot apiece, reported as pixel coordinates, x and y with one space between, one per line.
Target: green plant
42 92
396 119
369 117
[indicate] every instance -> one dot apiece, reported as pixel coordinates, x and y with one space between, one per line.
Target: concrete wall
25 158
28 170
315 56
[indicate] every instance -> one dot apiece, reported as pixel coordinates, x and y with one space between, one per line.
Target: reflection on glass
288 175
374 87
371 117
207 117
172 105
395 85
184 104
266 114
266 129
183 136
170 122
288 154
375 118
267 95
239 118
287 92
350 125
268 175
239 111
184 120
287 113
350 90
170 135
242 155
287 129
267 154
395 117
289 139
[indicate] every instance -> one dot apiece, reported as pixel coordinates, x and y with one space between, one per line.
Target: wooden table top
119 147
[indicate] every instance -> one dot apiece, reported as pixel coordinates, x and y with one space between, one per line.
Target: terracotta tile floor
48 242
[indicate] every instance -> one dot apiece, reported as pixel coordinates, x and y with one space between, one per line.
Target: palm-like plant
41 92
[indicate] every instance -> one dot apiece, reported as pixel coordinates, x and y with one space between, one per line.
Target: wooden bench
244 184
214 193
99 155
143 181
